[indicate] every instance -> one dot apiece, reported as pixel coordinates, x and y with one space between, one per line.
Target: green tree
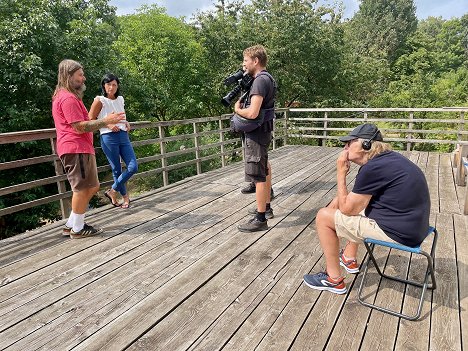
381 28
220 34
375 38
165 66
433 72
304 42
35 35
362 76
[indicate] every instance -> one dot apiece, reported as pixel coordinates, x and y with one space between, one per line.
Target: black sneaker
66 230
268 214
272 194
249 189
87 231
253 225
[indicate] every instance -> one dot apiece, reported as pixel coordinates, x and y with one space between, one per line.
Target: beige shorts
356 228
81 170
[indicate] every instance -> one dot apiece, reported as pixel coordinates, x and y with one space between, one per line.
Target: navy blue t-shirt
400 202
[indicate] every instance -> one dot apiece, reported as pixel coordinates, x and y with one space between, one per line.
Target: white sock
79 222
71 220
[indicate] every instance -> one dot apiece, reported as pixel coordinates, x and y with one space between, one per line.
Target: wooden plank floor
173 272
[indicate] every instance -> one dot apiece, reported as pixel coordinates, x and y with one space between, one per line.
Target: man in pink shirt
75 143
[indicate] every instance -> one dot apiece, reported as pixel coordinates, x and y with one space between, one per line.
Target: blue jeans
116 145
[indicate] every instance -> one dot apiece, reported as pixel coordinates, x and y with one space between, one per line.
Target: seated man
389 202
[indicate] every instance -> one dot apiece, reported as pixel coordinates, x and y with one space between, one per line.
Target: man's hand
252 111
237 106
114 118
350 204
90 126
342 164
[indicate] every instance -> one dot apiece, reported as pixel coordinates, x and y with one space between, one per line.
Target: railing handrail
298 128
379 109
223 143
321 129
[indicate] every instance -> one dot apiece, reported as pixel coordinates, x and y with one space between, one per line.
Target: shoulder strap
265 73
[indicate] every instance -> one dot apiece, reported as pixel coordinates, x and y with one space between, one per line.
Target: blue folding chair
370 244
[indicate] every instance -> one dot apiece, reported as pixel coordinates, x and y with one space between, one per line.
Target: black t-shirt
264 86
400 202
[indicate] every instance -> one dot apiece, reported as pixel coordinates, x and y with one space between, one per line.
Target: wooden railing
404 126
209 139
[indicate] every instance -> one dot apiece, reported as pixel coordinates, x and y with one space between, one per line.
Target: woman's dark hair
109 77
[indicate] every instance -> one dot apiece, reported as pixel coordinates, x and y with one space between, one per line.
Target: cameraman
260 99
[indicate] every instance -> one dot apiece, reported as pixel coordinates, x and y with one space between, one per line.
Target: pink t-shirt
68 109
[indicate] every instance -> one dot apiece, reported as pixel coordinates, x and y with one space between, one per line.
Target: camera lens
233 78
227 100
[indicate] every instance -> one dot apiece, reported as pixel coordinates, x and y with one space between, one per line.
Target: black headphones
367 144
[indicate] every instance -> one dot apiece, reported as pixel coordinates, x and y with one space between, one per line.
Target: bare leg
80 199
263 192
333 204
113 195
261 195
350 250
126 201
329 241
268 184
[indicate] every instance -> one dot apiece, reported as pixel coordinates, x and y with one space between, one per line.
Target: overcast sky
424 8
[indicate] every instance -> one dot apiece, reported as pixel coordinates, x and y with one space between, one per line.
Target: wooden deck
173 272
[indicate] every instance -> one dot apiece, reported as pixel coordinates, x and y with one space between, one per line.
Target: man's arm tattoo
89 126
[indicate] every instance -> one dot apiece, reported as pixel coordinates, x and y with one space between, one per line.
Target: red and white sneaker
351 266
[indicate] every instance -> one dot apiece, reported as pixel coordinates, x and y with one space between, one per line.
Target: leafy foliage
164 64
299 38
35 35
382 27
433 72
173 69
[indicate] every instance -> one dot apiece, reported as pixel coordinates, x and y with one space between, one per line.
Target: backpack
246 125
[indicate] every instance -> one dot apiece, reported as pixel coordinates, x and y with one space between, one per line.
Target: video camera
244 82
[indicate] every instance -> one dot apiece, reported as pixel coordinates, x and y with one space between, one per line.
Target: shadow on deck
173 272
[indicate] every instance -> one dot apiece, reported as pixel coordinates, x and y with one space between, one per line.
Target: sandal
106 194
125 205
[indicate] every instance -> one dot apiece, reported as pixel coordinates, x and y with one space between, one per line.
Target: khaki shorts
81 170
356 228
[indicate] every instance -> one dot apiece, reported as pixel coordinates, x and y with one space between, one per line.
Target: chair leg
424 285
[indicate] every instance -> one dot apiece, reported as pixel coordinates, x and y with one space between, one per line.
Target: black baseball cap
363 131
